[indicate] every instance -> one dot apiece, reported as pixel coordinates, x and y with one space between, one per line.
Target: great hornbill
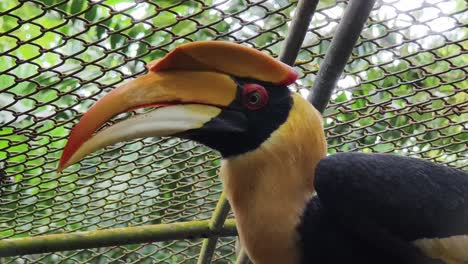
369 208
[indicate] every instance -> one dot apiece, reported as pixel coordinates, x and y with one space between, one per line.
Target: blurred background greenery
404 91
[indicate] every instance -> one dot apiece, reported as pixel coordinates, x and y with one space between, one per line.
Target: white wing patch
452 250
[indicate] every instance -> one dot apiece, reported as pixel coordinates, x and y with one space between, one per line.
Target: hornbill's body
386 208
369 208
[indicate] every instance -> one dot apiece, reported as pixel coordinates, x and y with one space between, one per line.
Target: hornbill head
235 100
224 95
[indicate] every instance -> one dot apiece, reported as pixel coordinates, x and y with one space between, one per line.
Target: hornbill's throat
194 83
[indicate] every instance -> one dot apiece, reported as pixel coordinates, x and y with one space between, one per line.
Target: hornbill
292 202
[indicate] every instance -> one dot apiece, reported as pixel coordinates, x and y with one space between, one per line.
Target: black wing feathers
410 198
323 239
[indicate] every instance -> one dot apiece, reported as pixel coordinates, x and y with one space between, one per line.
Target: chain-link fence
404 91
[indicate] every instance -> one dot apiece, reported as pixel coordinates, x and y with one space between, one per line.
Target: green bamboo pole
216 223
113 237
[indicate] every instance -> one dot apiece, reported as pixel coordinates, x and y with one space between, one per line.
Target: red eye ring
254 96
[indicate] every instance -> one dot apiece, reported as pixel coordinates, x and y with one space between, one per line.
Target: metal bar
348 31
216 223
299 25
112 237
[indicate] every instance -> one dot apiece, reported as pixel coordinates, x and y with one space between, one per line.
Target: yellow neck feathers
269 187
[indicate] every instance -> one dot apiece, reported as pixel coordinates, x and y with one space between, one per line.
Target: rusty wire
404 91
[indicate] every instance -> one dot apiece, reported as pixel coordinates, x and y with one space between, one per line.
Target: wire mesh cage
404 90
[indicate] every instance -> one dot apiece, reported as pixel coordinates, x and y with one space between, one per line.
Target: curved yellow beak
190 99
193 83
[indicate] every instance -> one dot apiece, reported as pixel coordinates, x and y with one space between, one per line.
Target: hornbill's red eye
254 96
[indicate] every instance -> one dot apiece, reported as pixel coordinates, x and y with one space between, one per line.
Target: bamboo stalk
216 223
113 237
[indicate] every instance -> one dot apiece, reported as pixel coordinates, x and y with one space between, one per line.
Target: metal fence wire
404 91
